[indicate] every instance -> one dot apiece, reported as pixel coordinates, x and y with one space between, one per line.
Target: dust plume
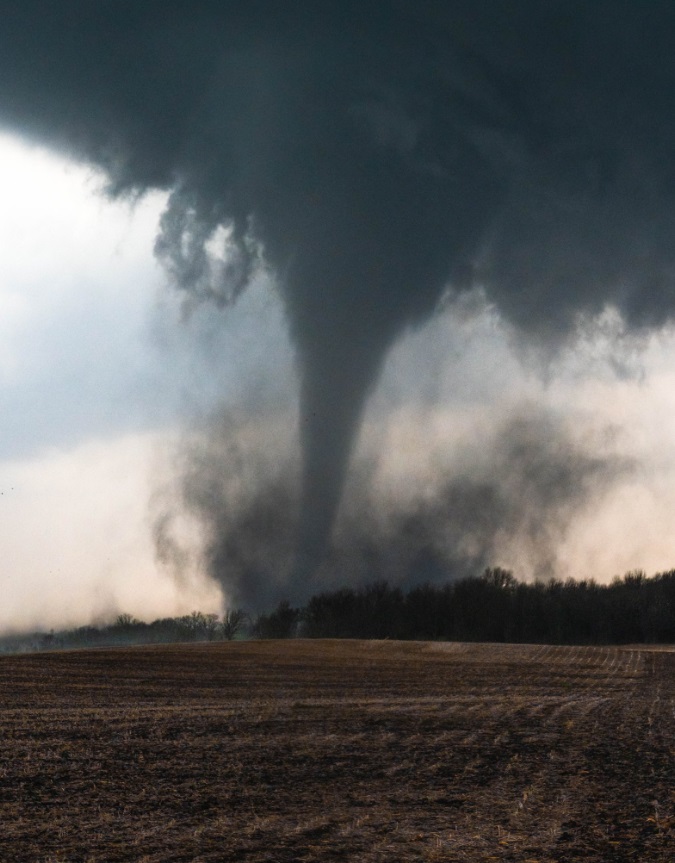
511 498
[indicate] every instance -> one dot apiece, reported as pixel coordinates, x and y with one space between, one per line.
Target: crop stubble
338 750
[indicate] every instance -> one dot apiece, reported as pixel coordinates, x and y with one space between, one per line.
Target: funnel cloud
376 158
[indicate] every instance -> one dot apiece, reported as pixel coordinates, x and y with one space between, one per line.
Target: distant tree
48 641
125 620
331 615
211 627
233 622
502 579
380 611
281 623
634 579
428 612
198 626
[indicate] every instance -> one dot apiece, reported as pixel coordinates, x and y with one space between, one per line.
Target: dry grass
359 751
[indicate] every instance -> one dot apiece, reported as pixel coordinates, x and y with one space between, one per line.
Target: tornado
375 157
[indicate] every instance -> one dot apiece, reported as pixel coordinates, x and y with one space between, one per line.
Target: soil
338 751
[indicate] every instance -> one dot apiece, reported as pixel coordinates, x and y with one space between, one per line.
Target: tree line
127 630
494 607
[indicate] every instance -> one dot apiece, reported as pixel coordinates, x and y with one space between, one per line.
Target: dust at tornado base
338 750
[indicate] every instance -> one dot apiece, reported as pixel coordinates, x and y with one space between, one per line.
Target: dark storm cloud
374 153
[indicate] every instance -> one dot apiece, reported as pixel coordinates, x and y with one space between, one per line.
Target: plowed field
338 750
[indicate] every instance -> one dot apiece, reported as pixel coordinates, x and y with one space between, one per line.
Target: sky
82 408
290 299
100 373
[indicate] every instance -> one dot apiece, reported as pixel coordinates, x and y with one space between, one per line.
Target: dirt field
359 751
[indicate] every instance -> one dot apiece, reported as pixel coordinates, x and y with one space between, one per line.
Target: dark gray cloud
374 154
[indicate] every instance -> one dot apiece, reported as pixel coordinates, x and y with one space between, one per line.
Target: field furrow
338 750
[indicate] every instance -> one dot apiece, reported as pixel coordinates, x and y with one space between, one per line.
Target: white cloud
75 543
77 283
96 371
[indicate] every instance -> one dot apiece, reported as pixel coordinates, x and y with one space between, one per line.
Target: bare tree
233 622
